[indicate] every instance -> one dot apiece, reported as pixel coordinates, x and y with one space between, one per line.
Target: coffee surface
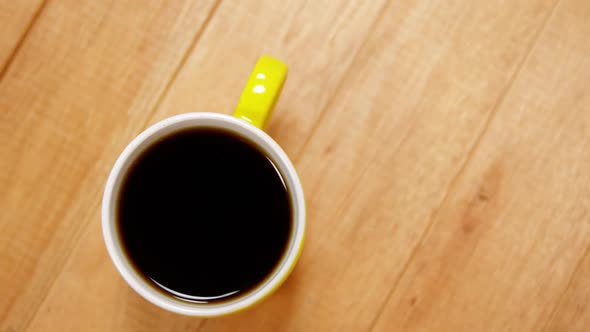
204 215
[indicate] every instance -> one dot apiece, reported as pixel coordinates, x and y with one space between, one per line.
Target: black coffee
204 215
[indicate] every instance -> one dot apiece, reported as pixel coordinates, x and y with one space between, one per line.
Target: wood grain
80 87
16 19
197 95
379 162
443 149
572 312
504 245
318 39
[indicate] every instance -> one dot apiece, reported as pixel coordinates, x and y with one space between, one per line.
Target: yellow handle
262 91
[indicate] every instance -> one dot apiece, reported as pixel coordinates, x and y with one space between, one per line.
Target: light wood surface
444 149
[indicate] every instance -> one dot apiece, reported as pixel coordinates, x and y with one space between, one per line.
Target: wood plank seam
165 90
21 39
472 221
561 298
384 8
181 64
56 277
466 162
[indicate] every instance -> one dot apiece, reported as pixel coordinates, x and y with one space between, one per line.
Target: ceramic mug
248 121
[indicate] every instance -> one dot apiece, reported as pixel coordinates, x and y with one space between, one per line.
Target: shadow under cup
204 214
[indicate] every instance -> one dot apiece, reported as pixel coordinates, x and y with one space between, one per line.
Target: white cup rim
215 120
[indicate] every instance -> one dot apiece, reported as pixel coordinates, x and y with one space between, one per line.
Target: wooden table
444 148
